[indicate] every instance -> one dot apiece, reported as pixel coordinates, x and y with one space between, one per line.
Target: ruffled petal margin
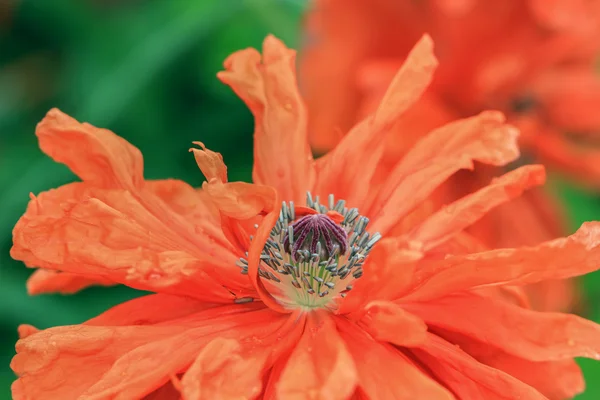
468 378
574 255
282 155
528 334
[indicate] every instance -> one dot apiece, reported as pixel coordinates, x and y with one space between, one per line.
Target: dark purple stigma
318 234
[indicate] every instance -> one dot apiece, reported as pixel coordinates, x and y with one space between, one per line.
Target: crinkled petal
26 330
468 378
385 372
49 363
531 335
240 200
194 206
388 322
282 155
562 258
239 204
484 138
149 366
387 272
210 163
320 367
48 281
110 234
97 156
191 203
221 371
462 213
349 168
557 380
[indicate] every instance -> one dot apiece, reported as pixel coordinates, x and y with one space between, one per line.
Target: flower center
310 260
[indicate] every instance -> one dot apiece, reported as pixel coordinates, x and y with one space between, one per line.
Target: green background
146 70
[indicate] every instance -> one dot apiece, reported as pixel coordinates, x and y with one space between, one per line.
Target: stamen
306 257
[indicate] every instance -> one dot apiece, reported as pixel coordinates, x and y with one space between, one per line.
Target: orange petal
149 310
26 330
530 219
210 163
462 213
111 235
528 334
49 362
575 255
290 334
194 206
238 201
484 138
270 391
97 156
241 200
408 85
387 272
388 322
47 281
321 359
386 373
149 366
468 378
221 371
283 158
556 380
349 168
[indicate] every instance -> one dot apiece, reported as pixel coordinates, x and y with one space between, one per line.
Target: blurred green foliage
146 70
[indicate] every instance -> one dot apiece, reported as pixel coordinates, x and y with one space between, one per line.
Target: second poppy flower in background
532 59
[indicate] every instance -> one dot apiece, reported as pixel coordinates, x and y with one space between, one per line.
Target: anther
318 235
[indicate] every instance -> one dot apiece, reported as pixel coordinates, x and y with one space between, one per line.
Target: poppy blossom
306 284
534 60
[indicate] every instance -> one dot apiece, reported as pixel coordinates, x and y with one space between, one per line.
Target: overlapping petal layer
427 302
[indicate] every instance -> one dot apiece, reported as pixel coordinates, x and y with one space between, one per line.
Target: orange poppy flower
320 305
532 59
